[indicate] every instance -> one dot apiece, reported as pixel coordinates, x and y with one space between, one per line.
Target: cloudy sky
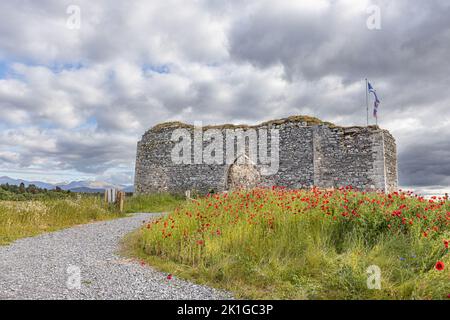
75 96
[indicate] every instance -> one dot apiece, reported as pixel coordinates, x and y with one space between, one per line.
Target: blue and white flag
377 101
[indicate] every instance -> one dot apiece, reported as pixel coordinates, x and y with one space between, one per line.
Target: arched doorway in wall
243 174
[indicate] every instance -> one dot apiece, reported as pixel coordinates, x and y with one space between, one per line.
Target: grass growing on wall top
293 119
305 244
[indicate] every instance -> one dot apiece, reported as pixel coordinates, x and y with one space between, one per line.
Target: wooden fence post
115 197
121 200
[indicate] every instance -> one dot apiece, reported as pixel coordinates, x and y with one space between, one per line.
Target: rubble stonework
311 153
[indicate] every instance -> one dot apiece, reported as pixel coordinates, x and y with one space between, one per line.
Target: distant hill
94 185
16 182
84 186
87 190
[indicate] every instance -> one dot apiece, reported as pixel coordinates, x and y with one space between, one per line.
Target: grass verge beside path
20 219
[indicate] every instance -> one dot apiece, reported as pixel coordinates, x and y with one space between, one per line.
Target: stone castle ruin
295 152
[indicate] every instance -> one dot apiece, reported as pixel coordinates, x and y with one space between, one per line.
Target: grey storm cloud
425 162
80 99
413 39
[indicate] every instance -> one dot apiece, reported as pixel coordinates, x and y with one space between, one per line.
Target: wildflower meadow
306 244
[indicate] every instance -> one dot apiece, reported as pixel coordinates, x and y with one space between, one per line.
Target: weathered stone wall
155 172
390 154
311 152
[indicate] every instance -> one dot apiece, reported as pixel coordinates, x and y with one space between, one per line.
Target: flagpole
367 101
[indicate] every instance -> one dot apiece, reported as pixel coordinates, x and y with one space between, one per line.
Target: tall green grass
305 244
159 202
20 219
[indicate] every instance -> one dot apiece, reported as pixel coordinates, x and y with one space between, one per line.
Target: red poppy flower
440 266
446 243
169 277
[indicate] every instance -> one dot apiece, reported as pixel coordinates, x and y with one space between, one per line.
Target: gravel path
46 267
